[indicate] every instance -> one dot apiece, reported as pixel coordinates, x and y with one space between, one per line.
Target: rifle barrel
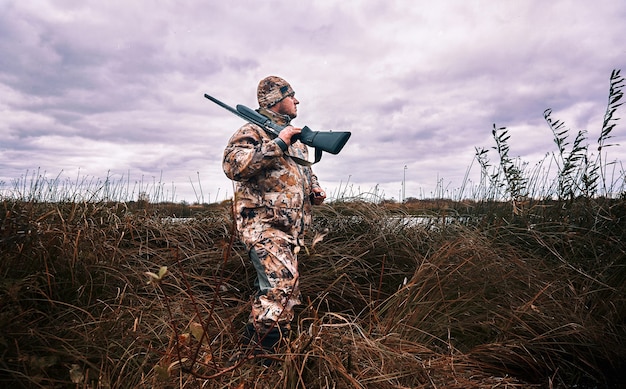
223 105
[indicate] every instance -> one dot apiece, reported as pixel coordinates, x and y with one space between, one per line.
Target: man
274 192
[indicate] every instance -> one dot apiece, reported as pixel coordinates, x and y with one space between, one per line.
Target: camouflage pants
278 291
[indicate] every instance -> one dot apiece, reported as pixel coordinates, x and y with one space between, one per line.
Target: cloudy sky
91 90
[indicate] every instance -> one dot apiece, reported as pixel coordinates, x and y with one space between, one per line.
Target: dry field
112 295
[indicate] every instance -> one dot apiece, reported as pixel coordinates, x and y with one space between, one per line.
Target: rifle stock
329 141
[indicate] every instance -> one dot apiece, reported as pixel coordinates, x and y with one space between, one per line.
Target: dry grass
536 301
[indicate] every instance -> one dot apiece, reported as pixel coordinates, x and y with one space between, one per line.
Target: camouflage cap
271 90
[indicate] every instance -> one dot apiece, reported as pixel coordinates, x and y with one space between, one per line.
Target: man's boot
265 341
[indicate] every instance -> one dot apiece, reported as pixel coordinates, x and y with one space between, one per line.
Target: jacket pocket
284 209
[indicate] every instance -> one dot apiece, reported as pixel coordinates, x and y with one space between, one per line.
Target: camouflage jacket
271 189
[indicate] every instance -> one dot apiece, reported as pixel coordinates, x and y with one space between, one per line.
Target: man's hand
287 132
318 196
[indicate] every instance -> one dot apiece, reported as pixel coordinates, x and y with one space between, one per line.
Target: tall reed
579 172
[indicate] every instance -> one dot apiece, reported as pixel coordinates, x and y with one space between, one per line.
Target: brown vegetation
532 300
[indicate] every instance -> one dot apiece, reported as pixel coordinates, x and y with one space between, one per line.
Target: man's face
287 106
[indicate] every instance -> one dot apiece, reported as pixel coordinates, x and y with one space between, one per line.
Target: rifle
329 141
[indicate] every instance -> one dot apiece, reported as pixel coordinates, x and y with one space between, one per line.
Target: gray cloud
116 88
